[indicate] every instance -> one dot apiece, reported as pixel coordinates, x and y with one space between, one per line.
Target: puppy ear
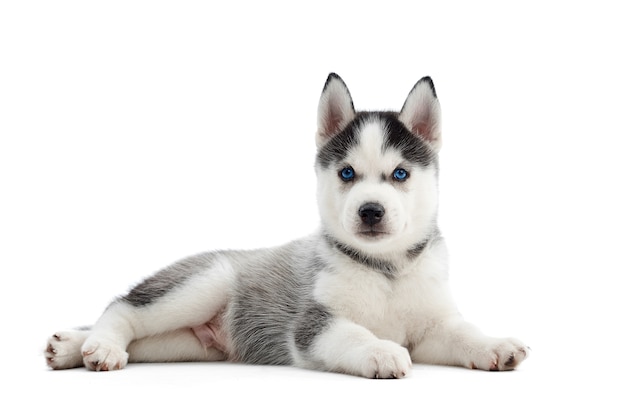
335 109
421 113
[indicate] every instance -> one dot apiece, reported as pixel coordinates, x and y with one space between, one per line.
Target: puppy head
377 171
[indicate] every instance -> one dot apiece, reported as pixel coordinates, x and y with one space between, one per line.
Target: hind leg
64 349
176 346
190 297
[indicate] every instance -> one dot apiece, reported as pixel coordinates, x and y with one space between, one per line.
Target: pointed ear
335 109
421 113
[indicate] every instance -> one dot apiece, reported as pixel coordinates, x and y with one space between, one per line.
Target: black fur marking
164 281
384 267
413 149
337 148
312 323
430 82
417 250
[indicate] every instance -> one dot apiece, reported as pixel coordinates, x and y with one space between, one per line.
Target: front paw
384 359
499 355
101 355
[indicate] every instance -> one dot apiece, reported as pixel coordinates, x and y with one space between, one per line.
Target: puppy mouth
372 234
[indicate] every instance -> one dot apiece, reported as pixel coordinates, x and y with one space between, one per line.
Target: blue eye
400 174
347 174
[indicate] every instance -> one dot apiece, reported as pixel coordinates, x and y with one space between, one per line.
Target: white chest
398 309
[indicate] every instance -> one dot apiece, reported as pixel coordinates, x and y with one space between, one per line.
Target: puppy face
377 171
377 185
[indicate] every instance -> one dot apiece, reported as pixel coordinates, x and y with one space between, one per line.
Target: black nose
371 213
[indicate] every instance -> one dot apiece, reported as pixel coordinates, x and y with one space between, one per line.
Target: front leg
456 342
343 346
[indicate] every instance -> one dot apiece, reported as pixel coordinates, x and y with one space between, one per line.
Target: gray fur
313 321
154 287
272 307
269 308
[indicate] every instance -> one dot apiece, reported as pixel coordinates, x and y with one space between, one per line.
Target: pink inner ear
334 119
422 128
422 125
334 122
421 113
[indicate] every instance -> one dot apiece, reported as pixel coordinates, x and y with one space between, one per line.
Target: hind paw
63 349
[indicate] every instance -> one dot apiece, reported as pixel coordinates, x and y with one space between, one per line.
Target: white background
135 133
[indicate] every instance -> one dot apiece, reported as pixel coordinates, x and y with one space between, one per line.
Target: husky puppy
367 294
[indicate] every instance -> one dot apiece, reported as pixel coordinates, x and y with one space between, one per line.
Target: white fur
416 310
64 349
202 297
350 348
